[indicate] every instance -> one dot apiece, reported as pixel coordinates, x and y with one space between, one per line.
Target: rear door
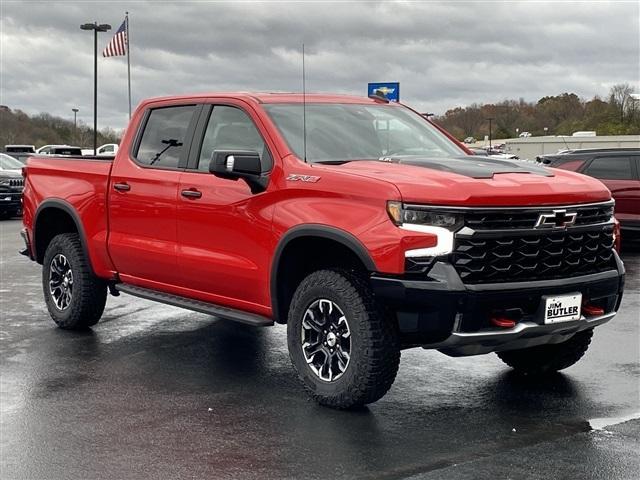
619 174
224 230
143 195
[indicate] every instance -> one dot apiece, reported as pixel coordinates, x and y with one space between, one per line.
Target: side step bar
196 305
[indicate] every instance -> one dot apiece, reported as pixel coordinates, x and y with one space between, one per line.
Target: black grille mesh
16 182
542 256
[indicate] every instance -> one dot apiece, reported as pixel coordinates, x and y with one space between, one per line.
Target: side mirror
235 164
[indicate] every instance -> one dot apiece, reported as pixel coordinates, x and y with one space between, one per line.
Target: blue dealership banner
391 90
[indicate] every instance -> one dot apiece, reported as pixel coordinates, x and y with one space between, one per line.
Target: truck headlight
402 215
442 224
4 182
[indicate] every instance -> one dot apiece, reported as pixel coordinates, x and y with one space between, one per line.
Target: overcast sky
444 54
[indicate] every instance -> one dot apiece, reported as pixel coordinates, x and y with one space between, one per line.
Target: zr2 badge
294 177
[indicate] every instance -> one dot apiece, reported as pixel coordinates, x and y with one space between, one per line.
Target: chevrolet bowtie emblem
557 219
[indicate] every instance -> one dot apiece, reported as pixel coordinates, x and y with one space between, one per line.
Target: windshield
9 163
344 132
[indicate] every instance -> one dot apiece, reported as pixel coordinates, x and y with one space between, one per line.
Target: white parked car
47 149
525 135
59 150
106 150
9 165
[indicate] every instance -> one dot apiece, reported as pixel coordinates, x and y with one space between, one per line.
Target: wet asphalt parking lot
155 392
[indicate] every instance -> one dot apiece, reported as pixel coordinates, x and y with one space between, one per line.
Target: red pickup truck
355 221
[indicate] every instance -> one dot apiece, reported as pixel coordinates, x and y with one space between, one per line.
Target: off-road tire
89 292
548 358
375 347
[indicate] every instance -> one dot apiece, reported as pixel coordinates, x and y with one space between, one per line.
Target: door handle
122 187
191 193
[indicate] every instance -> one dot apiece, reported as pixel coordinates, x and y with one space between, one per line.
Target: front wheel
344 347
548 358
75 297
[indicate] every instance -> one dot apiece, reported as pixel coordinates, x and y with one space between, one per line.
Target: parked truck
354 221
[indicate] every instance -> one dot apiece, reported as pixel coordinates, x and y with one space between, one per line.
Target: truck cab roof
274 97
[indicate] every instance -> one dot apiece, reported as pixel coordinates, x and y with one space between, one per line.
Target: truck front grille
533 257
16 183
509 219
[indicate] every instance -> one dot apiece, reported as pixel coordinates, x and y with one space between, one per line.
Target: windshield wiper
172 142
340 162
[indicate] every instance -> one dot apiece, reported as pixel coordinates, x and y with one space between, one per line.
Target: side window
610 168
163 136
229 128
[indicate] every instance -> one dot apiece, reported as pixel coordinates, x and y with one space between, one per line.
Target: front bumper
10 201
441 312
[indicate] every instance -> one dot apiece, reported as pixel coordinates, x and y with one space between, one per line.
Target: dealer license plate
562 309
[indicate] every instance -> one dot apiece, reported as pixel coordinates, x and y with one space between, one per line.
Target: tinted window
67 151
24 149
230 128
610 168
164 135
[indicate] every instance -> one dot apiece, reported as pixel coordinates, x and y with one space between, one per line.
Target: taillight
616 235
24 172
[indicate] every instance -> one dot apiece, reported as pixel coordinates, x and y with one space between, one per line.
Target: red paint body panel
142 237
224 241
220 247
82 184
421 185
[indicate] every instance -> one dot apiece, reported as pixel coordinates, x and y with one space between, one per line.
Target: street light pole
490 120
95 89
96 28
75 119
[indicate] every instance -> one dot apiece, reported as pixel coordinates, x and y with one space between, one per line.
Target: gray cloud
444 54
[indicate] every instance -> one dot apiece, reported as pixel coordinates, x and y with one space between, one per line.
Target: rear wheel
548 358
342 344
75 297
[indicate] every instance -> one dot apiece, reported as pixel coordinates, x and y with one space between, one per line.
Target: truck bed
77 182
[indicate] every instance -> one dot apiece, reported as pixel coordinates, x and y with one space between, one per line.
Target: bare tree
621 97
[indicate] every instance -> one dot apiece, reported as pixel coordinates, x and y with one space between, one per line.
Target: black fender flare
59 204
318 231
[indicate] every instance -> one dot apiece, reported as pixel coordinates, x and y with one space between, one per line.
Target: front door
224 230
142 198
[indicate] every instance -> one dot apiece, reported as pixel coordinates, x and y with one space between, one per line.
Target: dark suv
11 186
617 168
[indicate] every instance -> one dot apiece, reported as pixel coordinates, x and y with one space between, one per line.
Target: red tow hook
503 322
591 310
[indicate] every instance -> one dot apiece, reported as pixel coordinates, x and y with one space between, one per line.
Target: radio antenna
304 109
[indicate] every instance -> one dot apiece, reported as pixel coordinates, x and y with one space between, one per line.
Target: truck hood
478 181
10 173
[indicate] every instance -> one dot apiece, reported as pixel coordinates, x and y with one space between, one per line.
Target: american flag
118 44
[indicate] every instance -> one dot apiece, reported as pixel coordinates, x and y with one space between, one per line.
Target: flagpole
128 62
